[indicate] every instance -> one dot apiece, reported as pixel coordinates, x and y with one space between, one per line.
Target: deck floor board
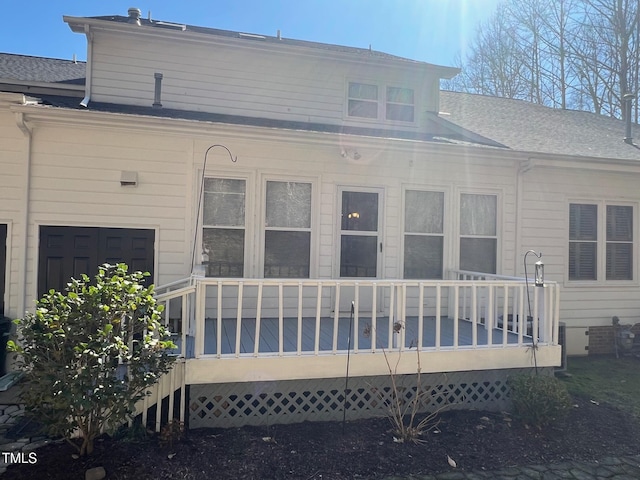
268 342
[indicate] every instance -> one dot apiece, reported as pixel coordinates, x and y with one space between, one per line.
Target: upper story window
478 232
390 103
585 235
363 100
399 104
223 233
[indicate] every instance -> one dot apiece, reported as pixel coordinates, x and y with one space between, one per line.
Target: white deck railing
220 318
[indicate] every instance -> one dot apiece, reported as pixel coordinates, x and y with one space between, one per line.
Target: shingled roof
529 127
24 68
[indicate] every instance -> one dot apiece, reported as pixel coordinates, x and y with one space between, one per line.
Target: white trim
601 243
380 234
314 228
249 229
447 223
500 227
382 85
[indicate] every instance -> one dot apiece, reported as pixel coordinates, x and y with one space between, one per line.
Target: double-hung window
223 235
287 236
380 102
423 234
478 232
400 104
594 246
363 100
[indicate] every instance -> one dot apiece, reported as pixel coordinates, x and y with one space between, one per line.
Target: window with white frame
423 234
223 233
478 232
363 100
287 236
400 104
585 234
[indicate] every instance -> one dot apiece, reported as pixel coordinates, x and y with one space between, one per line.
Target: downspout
87 81
27 131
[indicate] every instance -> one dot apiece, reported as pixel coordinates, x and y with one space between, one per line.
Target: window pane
583 222
619 261
286 254
422 256
478 254
478 214
224 202
423 212
360 211
400 95
358 256
226 252
288 205
361 108
619 223
582 261
363 91
403 113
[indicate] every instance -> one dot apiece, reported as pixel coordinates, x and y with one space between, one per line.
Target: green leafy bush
538 400
91 353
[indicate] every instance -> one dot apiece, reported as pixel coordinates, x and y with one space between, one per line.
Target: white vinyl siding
287 241
588 243
423 234
242 77
478 232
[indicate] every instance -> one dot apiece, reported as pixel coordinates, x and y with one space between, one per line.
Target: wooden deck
269 335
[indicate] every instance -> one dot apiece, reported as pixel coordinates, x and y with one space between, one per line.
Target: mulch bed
473 440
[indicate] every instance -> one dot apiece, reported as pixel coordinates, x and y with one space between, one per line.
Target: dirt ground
474 440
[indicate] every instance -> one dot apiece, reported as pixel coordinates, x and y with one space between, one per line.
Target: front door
67 252
360 241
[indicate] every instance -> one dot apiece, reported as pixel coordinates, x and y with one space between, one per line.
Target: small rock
12 447
4 418
75 456
11 409
96 473
34 445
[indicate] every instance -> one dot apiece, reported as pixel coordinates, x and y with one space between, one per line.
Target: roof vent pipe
628 101
134 15
158 91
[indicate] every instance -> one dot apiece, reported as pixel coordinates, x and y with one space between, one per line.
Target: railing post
201 298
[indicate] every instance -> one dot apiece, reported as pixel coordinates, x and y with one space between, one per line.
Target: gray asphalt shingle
24 68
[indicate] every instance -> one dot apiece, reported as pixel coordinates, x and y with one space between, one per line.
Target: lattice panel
268 403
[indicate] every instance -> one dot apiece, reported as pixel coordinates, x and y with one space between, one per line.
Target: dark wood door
67 252
3 264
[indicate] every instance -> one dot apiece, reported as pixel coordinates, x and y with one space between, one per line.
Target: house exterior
297 202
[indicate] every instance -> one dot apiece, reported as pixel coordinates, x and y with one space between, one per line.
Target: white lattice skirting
293 401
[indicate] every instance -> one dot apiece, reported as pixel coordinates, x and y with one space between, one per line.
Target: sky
433 31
